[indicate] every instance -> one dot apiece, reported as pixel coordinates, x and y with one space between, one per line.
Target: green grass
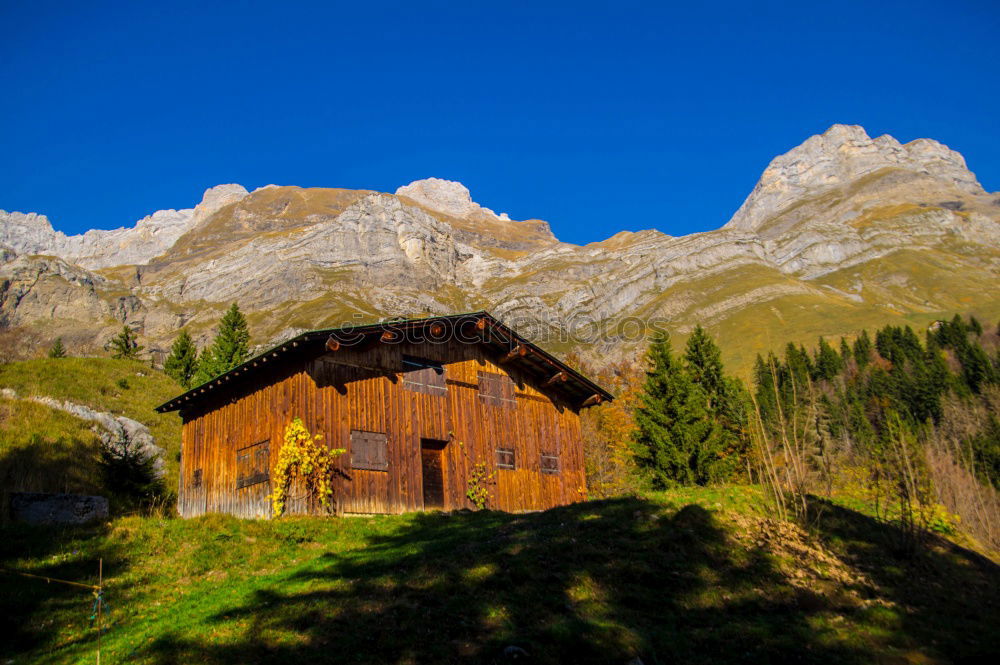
121 387
683 576
45 450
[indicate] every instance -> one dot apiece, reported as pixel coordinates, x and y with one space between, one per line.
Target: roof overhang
472 328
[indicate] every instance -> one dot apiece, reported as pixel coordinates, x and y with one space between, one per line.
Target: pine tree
125 344
845 351
57 350
764 375
229 349
977 369
863 349
127 468
182 363
704 364
201 373
675 441
726 398
975 327
794 381
828 362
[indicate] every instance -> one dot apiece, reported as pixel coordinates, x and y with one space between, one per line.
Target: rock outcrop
446 196
114 429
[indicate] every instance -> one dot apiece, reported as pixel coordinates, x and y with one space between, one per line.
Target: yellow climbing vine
304 457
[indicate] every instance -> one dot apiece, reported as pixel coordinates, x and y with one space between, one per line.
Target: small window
424 376
369 451
496 389
253 464
550 464
196 479
505 458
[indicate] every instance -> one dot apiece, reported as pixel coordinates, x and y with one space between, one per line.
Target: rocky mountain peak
216 198
29 233
445 196
841 155
150 236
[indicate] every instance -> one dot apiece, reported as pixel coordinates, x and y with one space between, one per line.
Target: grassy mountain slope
44 449
121 387
685 576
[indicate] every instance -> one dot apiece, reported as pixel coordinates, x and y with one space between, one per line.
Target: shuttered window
496 389
369 450
423 376
505 458
550 464
253 464
196 478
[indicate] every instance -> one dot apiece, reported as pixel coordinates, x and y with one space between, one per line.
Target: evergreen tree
845 351
125 344
201 373
794 381
675 442
57 350
127 469
952 334
704 363
764 373
182 363
726 398
977 369
828 362
230 348
975 327
863 349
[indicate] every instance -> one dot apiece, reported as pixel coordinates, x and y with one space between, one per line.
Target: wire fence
100 605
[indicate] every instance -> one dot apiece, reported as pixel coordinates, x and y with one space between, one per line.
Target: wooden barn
417 404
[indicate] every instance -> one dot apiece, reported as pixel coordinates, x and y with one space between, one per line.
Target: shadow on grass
600 582
33 611
63 464
948 597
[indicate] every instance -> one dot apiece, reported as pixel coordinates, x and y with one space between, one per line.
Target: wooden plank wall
363 390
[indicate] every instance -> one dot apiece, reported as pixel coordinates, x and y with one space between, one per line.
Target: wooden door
432 472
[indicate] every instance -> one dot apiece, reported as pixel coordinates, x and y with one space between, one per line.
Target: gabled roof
487 330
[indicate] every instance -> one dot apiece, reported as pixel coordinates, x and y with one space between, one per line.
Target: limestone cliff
841 232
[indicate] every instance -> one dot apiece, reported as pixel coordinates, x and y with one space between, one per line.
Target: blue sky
597 117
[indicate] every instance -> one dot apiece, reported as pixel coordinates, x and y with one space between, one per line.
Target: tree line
230 348
909 422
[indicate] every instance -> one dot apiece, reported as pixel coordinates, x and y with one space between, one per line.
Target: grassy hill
686 576
120 387
45 449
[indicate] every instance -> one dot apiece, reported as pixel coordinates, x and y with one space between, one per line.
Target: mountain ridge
842 230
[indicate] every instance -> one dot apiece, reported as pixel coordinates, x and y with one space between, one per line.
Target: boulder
41 508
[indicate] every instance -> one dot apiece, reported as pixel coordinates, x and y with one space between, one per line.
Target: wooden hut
418 404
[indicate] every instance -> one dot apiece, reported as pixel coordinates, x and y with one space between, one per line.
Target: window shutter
369 451
496 389
505 458
550 464
253 464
